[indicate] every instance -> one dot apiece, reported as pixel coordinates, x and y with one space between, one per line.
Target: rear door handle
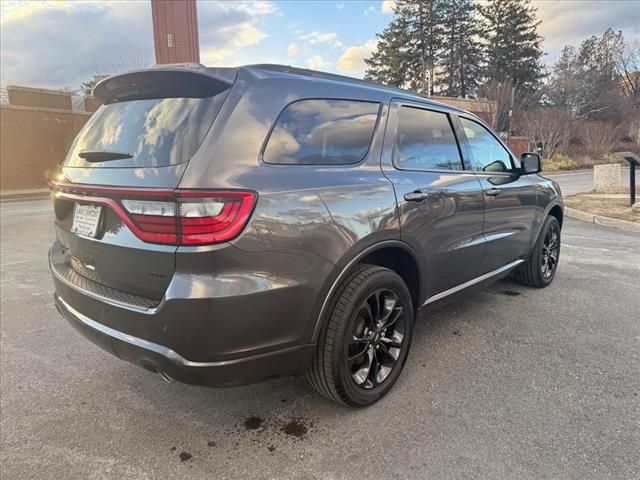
493 192
416 196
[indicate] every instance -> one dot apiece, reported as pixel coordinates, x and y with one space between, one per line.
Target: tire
354 336
545 253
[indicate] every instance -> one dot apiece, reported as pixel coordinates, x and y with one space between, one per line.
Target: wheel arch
396 255
556 211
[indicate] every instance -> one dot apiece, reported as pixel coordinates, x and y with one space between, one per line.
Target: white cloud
317 63
322 37
388 6
57 44
293 49
240 36
352 60
226 27
370 11
568 23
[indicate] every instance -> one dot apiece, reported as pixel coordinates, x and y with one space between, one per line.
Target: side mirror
531 163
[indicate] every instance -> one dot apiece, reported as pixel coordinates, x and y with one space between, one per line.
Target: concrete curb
572 172
600 220
564 172
18 195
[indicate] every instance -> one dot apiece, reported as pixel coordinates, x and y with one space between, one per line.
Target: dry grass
559 162
614 206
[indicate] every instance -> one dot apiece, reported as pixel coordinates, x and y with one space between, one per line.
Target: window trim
431 108
265 143
465 140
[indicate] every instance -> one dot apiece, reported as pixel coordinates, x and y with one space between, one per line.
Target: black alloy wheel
540 268
550 251
377 338
365 341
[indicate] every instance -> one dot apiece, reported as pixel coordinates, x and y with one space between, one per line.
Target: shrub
549 126
559 162
598 137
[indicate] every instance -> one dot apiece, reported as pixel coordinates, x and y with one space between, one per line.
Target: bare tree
585 81
632 126
508 99
549 126
598 138
628 70
135 59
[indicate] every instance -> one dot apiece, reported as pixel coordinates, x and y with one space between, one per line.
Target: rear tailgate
114 195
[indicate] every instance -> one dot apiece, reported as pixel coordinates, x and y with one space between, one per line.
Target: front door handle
416 196
493 192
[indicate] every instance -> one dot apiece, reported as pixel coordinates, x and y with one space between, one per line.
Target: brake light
213 217
180 217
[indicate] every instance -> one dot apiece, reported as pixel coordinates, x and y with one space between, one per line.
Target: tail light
180 217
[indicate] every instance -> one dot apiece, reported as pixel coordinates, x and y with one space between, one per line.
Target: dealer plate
86 219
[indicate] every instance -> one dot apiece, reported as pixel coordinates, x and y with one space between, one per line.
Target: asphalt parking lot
509 383
582 181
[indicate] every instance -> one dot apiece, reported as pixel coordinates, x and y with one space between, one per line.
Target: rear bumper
240 325
171 365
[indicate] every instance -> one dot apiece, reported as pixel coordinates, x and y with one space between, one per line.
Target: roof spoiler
165 81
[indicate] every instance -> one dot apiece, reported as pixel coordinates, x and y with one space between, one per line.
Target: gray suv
225 226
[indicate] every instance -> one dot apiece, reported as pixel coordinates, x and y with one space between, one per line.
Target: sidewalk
24 194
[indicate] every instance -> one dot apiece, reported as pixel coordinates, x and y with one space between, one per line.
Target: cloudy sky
62 43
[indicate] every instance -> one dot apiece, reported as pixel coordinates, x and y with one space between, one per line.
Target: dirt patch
511 293
604 205
253 422
184 456
295 428
211 444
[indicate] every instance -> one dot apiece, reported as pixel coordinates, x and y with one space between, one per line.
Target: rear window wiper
103 155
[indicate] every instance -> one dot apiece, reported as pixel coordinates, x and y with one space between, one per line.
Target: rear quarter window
322 132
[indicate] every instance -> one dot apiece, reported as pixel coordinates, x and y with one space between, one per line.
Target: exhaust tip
151 367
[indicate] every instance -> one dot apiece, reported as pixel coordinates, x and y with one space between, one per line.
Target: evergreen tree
424 25
388 64
408 49
461 55
512 43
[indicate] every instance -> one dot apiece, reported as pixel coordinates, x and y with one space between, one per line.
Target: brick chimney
175 31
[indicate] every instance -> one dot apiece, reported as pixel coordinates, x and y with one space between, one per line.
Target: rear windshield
156 133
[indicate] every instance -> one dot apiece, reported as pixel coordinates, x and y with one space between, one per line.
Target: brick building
175 31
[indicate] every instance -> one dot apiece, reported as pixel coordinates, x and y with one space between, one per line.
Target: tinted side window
425 141
487 154
314 132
